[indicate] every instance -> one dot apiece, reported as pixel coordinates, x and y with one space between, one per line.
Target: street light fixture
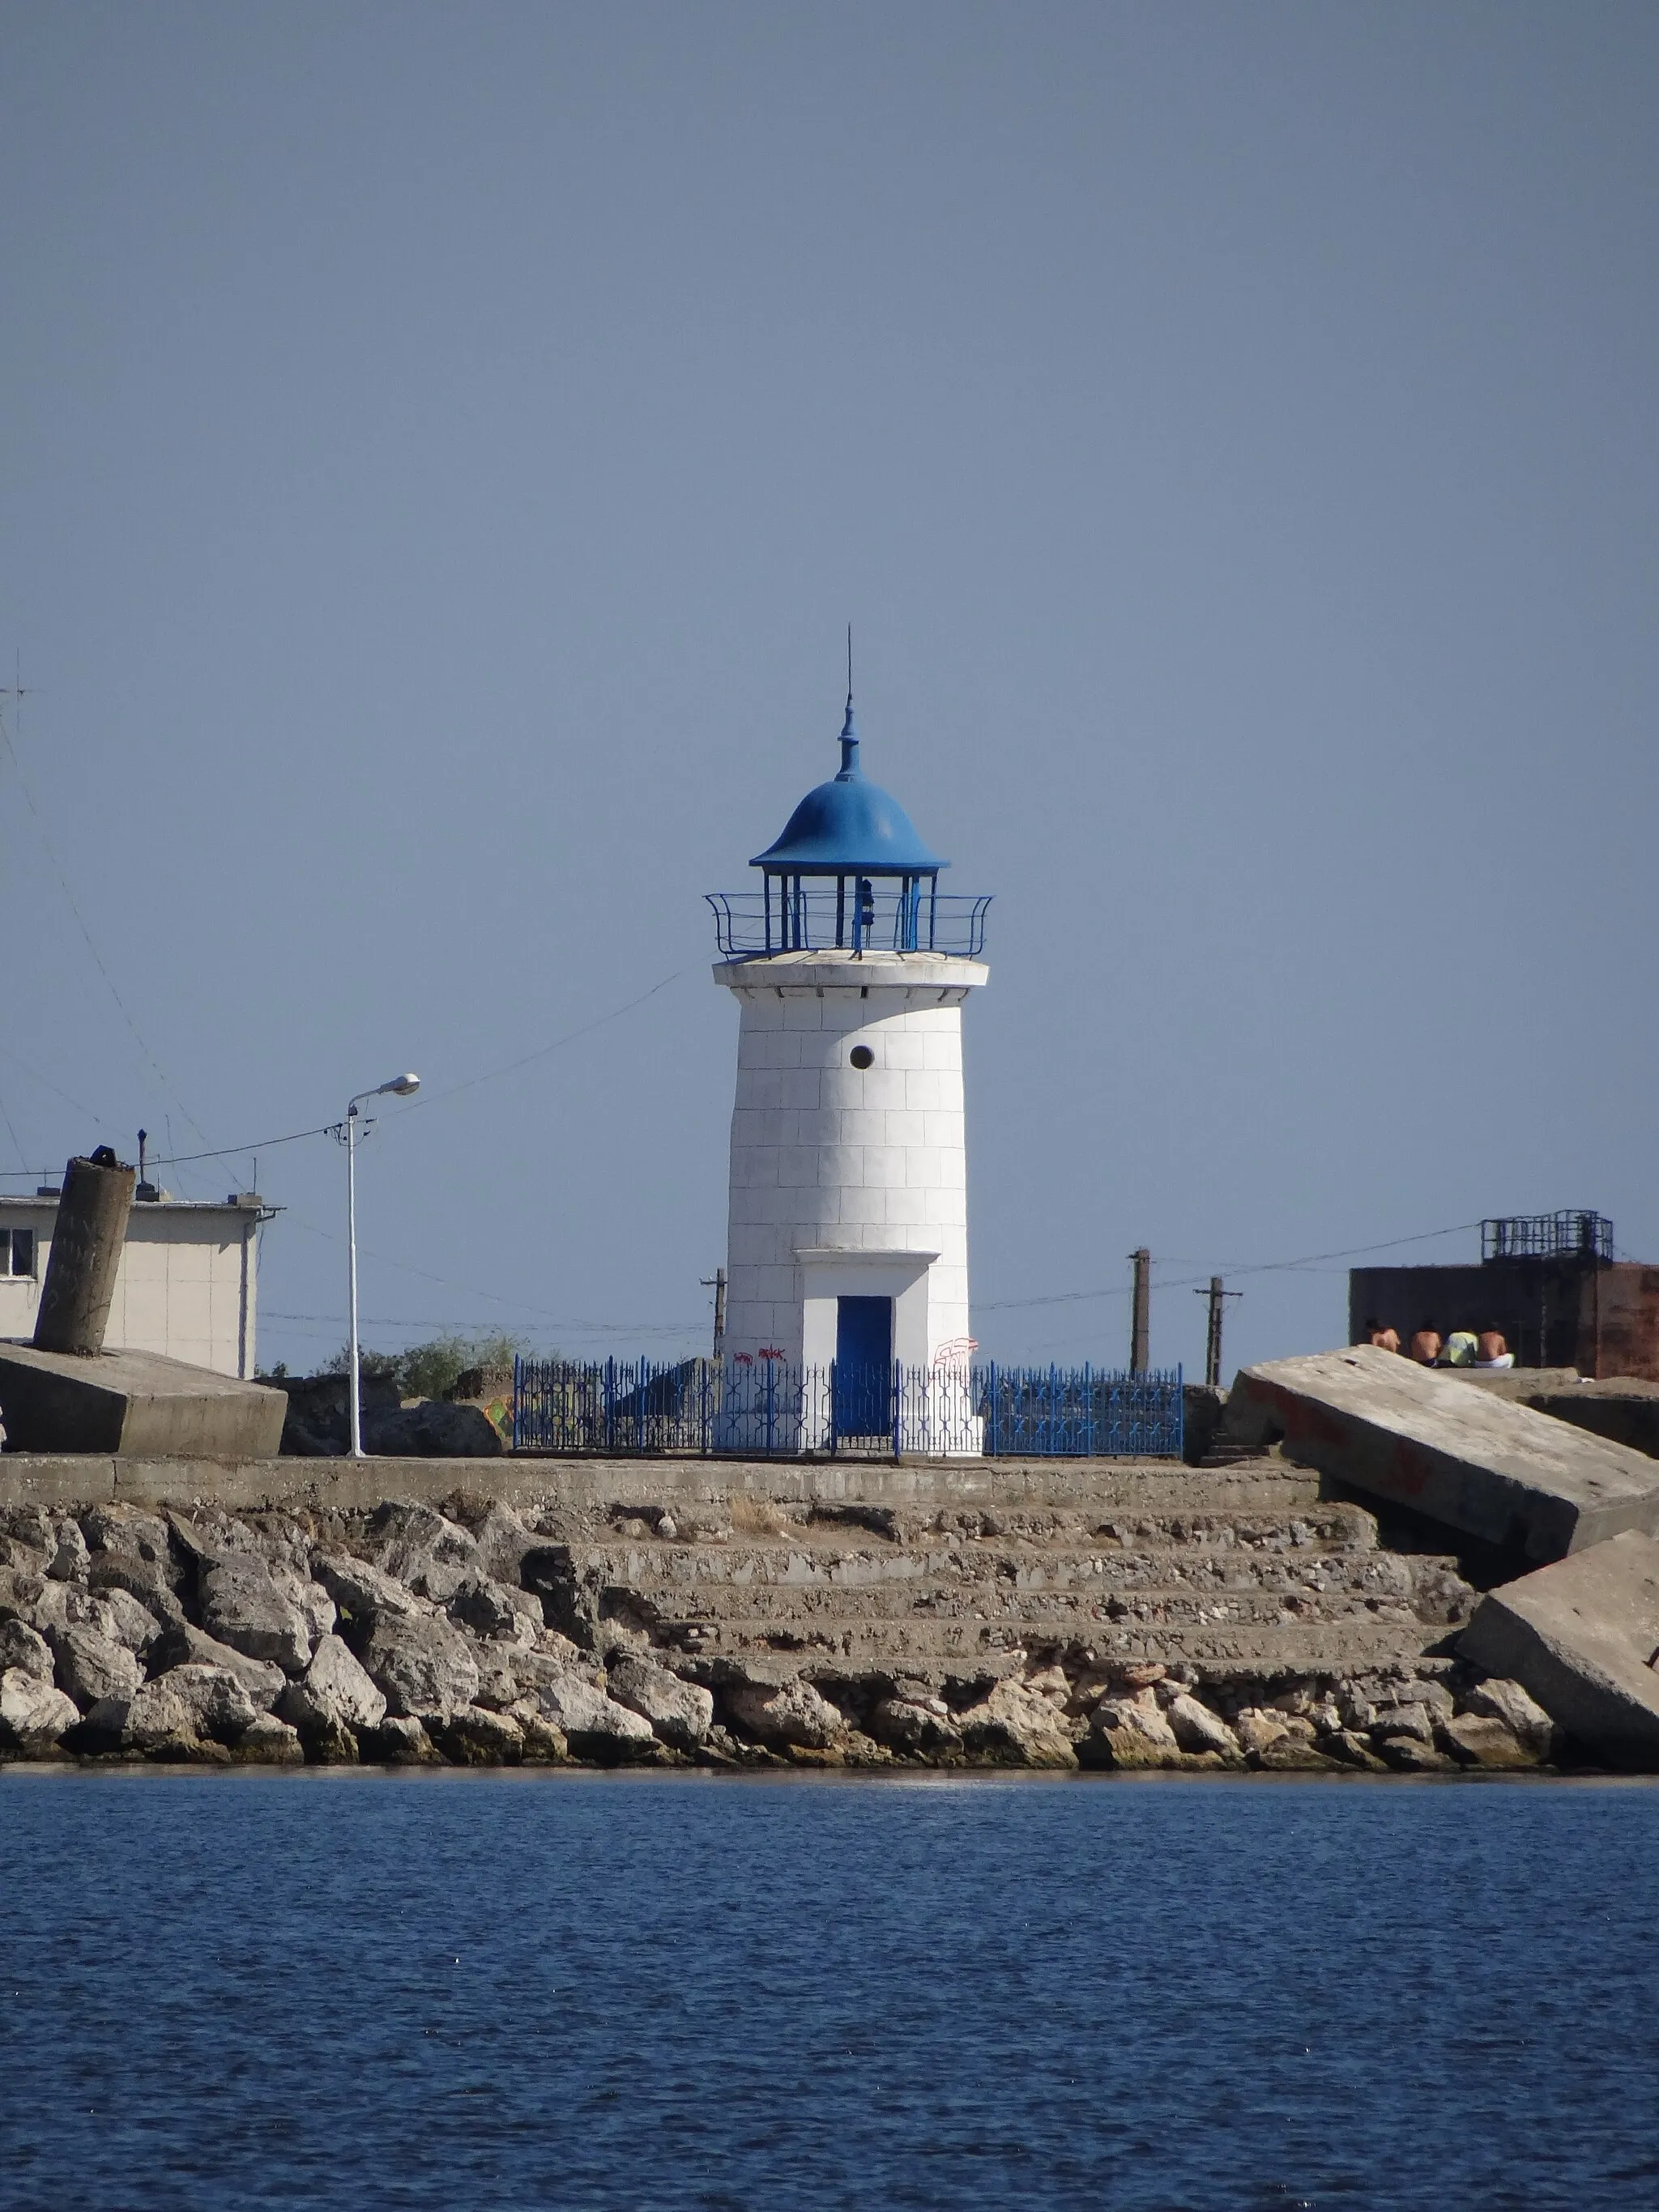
401 1087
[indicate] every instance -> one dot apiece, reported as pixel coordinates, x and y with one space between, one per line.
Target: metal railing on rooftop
1569 1236
902 920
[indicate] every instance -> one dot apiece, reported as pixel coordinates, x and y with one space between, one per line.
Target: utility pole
716 1282
1217 1298
1140 1326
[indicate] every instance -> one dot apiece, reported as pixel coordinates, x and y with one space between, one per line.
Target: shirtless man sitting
1424 1346
1492 1351
1385 1339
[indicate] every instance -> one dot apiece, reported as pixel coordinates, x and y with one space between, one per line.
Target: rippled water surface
465 1991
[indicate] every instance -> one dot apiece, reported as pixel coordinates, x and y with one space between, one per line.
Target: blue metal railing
770 1408
908 920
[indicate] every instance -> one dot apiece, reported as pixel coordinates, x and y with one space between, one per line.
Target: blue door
863 1367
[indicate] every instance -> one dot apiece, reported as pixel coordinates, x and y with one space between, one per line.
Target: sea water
454 1990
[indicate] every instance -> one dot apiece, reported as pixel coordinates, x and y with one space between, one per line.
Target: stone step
929 1646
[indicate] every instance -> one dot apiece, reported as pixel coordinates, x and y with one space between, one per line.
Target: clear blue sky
439 448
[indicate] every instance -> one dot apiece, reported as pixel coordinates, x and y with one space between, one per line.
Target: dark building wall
1601 1320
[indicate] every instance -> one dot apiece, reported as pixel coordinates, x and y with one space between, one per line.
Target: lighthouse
847 1251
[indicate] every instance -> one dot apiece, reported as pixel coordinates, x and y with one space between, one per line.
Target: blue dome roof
849 826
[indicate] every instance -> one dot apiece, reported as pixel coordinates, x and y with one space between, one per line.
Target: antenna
849 664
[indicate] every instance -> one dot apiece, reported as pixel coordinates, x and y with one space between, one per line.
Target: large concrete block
134 1403
1467 1458
1581 1637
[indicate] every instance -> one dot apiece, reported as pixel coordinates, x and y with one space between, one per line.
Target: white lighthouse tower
846 1246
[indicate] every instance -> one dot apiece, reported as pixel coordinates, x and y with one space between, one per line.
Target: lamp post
401 1087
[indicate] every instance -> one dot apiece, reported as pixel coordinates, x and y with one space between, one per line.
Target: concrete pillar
86 1250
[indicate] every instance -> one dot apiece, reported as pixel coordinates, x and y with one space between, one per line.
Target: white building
187 1284
848 1227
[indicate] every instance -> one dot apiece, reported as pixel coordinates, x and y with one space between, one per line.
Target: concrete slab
1581 1638
135 1403
1468 1459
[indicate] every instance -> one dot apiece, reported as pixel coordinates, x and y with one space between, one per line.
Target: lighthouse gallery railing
770 1408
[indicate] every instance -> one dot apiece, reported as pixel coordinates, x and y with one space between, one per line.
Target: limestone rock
594 1726
244 1605
34 1716
545 1744
471 1736
361 1591
1477 1739
919 1727
142 1578
421 1666
1412 1720
399 1741
185 1646
1523 1715
334 1692
70 1560
23 1647
267 1741
124 1532
1196 1729
154 1721
1352 1749
1012 1728
491 1610
501 1542
1255 1728
423 1549
120 1615
793 1713
1408 1754
91 1666
679 1712
219 1705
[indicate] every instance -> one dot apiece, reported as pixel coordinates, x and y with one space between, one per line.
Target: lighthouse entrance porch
863 1367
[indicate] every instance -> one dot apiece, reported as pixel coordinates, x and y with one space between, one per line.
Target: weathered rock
1352 1749
1196 1729
1580 1637
792 1713
92 1666
1524 1716
334 1692
267 1741
545 1744
154 1721
1292 1755
919 1727
1408 1754
219 1705
120 1615
70 1560
34 1716
1255 1727
680 1713
363 1592
424 1549
22 1646
471 1736
433 1429
422 1666
594 1726
108 1571
492 1610
501 1540
1412 1720
310 1599
1012 1728
123 1531
244 1605
185 1646
1427 1440
1477 1739
399 1741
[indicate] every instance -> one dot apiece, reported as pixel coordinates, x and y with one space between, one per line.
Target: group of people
1462 1348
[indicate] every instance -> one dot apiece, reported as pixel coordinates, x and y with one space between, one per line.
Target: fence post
896 1382
771 1408
611 1405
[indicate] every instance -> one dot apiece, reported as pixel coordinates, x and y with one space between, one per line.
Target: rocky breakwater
483 1636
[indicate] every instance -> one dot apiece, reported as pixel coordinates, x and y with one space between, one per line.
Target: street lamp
401 1087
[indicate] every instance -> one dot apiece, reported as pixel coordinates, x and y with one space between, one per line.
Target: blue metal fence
770 1408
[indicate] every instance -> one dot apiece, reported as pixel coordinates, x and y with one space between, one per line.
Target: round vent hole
862 1056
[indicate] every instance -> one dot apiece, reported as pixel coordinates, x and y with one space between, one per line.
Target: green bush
432 1369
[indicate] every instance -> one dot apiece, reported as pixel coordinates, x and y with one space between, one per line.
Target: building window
16 1252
